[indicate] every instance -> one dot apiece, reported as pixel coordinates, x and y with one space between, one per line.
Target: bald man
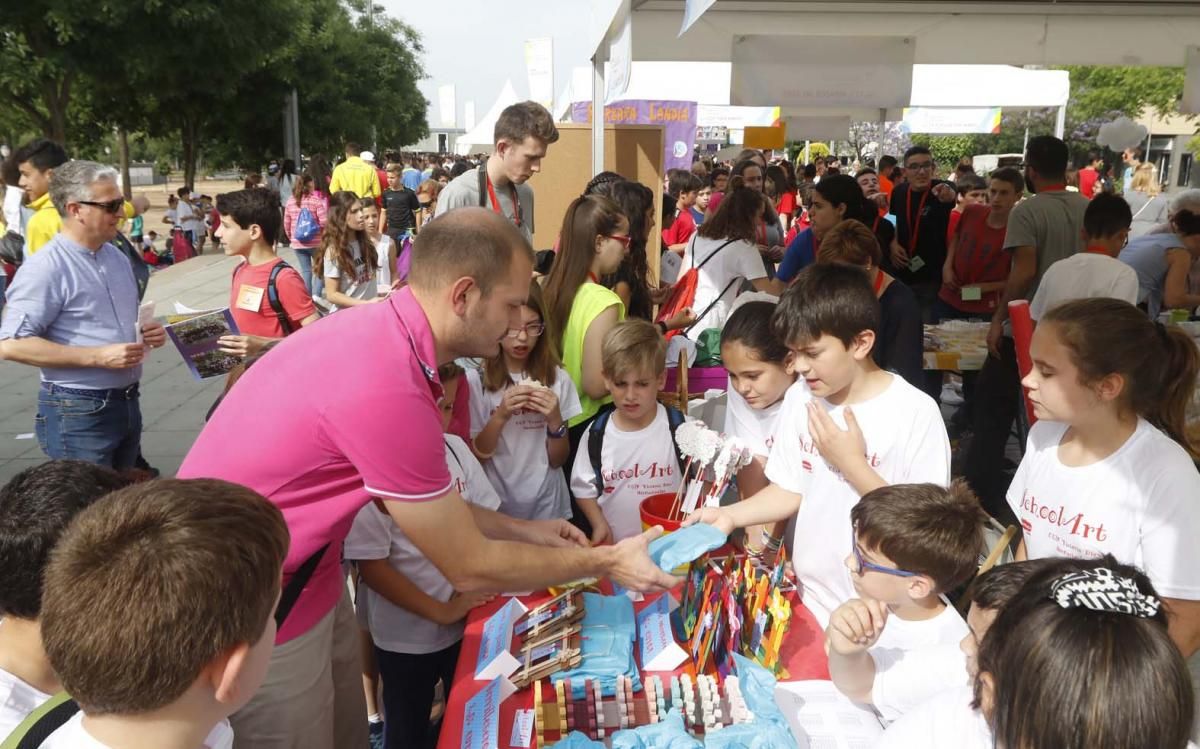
371 431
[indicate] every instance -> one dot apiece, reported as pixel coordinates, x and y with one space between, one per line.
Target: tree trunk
189 152
56 95
123 158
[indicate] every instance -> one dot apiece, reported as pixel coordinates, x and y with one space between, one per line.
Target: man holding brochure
73 312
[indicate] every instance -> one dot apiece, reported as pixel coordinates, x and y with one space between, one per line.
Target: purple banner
677 117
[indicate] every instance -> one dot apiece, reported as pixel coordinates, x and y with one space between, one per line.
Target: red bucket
655 509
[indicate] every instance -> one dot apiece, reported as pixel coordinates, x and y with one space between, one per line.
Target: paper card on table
692 497
481 716
495 658
971 293
820 715
522 730
660 652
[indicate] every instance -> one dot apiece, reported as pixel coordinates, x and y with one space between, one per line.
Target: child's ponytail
1158 363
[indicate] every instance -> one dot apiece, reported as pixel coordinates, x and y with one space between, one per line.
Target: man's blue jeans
99 426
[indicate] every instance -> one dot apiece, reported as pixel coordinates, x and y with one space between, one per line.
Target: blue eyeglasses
864 565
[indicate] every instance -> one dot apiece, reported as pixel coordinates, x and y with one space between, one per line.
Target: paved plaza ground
173 402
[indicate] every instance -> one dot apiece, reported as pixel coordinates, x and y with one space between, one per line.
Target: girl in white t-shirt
520 404
1108 468
1082 660
347 256
384 246
759 378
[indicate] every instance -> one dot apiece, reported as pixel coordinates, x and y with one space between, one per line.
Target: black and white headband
1103 590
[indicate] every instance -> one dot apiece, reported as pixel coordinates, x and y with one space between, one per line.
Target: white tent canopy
480 138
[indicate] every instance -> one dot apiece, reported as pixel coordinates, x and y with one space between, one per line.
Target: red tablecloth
803 653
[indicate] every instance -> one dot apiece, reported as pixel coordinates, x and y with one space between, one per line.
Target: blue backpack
307 226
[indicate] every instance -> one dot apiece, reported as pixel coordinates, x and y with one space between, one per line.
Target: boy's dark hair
865 170
175 547
36 506
42 153
523 120
1011 176
719 171
249 207
810 171
995 588
969 183
916 151
1106 215
750 325
826 299
1048 156
924 528
184 191
886 163
438 172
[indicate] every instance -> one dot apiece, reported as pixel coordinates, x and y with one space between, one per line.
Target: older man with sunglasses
73 312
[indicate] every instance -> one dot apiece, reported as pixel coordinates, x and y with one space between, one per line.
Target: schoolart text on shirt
639 470
808 446
1076 524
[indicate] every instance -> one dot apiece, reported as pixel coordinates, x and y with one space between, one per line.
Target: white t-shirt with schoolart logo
904 679
362 285
906 443
756 427
1141 504
719 276
17 700
72 735
945 721
375 536
520 469
634 465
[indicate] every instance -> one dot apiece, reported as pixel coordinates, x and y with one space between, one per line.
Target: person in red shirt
685 186
976 264
250 224
1089 176
972 190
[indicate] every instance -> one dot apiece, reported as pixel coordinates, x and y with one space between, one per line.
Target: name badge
916 264
971 293
250 297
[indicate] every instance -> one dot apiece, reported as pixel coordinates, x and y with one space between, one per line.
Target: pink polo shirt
366 426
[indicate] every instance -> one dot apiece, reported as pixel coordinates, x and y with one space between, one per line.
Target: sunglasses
864 565
624 240
110 206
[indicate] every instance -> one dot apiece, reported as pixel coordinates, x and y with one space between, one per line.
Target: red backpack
683 294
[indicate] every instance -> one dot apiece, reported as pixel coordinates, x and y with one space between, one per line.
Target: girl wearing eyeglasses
520 404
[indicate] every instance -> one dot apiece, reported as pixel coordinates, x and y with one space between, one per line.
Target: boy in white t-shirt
35 508
848 428
913 543
634 440
1095 272
159 613
414 615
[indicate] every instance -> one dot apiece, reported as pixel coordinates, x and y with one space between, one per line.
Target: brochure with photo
196 338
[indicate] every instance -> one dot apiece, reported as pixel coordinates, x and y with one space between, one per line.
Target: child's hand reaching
601 531
460 604
855 626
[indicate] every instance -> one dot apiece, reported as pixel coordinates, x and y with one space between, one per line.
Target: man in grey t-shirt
1041 230
522 136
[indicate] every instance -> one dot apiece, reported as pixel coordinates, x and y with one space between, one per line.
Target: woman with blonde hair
1144 196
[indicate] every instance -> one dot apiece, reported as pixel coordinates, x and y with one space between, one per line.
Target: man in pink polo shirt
370 428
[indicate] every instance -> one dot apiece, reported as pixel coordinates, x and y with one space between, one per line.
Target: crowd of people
526 389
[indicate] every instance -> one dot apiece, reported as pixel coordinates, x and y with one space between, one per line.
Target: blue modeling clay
685 545
668 733
607 635
577 740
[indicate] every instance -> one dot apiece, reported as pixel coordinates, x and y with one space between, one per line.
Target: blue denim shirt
72 296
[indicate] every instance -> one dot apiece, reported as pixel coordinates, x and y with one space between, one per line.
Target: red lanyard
496 203
1052 188
875 226
1096 249
592 277
762 235
878 281
914 225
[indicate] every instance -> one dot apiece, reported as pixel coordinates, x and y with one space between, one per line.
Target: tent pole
880 133
598 91
806 144
1060 122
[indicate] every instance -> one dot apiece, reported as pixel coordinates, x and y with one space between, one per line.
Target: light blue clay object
769 729
668 733
607 637
577 740
685 545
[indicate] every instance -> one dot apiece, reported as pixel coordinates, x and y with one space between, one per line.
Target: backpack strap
273 298
595 443
47 718
481 172
295 585
675 418
714 253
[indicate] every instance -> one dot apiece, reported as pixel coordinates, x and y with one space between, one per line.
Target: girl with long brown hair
520 402
347 255
1108 467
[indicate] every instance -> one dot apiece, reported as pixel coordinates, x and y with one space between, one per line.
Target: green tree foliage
211 75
